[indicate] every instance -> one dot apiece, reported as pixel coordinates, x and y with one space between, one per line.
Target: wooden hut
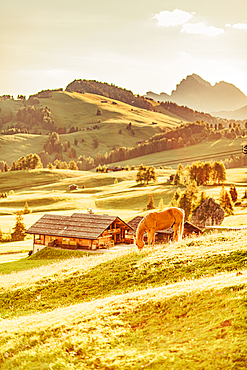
190 230
78 231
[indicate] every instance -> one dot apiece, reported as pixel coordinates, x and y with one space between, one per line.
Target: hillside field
176 306
80 110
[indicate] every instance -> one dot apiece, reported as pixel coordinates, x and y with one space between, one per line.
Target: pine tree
234 194
202 198
189 200
185 204
176 198
26 210
150 204
161 204
179 176
219 171
226 201
19 229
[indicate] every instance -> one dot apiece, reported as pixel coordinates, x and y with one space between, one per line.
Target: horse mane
140 229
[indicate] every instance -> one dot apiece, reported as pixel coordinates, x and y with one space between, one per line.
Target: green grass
120 275
79 110
179 307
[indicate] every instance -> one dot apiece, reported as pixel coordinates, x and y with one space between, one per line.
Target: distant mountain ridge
238 114
198 94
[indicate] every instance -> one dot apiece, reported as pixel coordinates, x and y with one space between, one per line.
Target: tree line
203 173
109 91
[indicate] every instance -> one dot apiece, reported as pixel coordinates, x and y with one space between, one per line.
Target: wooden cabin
191 230
79 231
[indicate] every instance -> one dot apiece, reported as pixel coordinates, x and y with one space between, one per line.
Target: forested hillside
109 91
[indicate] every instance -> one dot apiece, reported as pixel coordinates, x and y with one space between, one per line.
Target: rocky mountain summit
198 94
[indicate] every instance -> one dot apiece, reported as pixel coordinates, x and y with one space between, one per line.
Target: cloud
240 26
184 55
174 18
200 28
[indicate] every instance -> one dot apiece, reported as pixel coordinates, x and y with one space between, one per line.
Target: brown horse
171 217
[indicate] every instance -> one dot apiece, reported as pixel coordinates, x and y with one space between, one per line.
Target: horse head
139 243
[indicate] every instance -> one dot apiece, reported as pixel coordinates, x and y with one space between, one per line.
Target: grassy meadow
79 110
179 306
176 306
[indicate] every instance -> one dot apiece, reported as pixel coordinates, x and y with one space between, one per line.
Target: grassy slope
48 191
203 151
178 307
74 109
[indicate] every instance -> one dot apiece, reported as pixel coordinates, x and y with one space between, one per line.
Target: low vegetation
175 306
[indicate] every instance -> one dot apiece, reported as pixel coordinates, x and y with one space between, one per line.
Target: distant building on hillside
79 231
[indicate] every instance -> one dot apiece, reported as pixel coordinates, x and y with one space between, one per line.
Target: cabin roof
191 227
78 225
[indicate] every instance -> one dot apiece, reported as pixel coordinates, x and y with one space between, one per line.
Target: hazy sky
139 45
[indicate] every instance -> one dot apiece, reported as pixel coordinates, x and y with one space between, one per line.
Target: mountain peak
200 95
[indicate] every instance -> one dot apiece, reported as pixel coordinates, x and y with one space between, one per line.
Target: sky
140 45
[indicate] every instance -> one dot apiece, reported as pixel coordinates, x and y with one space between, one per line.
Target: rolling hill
77 113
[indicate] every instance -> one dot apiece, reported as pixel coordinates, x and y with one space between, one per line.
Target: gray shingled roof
79 225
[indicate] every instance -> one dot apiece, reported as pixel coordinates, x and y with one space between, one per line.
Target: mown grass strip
201 331
116 276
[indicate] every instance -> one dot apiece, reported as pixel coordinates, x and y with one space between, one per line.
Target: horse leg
175 235
181 229
151 237
178 231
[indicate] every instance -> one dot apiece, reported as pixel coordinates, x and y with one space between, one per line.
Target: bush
151 204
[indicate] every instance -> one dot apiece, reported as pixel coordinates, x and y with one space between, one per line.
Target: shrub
151 204
19 229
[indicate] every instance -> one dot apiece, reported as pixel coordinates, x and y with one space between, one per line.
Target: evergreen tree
234 194
161 204
185 204
19 229
179 176
225 201
189 200
150 204
202 198
13 167
176 198
219 171
26 210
